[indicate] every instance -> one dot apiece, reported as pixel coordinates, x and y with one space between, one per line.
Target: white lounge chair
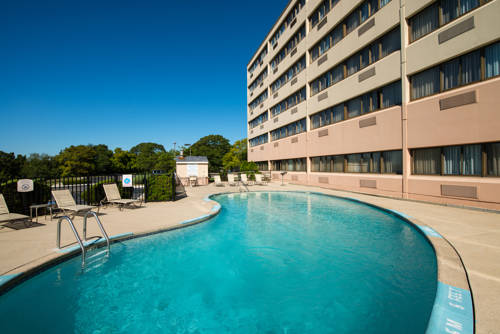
259 180
244 179
7 217
218 181
230 180
113 197
66 202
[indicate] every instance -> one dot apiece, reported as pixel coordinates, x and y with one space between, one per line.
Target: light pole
174 147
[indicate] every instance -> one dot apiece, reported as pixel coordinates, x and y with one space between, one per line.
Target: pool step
83 247
96 260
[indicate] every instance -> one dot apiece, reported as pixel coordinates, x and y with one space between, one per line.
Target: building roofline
269 33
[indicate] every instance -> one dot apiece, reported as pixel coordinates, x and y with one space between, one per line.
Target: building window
289 74
457 160
393 162
451 164
375 168
360 163
390 43
321 11
258 80
258 120
353 107
259 61
424 22
425 83
471 160
289 102
290 165
390 96
290 45
262 139
439 14
354 20
289 130
457 72
427 161
258 100
382 47
288 20
492 60
493 159
384 97
262 165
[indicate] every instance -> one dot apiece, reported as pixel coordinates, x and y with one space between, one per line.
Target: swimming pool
268 263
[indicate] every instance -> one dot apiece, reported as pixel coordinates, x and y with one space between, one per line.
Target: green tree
249 166
77 160
240 149
165 161
231 162
214 147
237 155
10 165
123 161
40 165
147 155
103 157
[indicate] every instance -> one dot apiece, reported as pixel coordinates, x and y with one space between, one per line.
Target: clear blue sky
124 72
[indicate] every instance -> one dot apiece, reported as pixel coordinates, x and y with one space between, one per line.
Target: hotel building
391 97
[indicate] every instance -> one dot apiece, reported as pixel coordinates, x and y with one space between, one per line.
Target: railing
77 236
84 189
104 234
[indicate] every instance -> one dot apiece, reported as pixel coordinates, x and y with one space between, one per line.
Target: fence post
145 187
173 186
87 191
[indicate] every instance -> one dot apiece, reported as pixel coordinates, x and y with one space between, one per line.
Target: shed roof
191 159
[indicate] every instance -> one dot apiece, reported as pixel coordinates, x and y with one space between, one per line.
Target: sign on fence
127 180
25 185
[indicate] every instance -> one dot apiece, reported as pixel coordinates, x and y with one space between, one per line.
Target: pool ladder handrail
241 185
105 235
77 236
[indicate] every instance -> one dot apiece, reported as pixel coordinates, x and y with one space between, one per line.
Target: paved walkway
474 234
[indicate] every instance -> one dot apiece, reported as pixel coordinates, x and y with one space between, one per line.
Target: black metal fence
88 190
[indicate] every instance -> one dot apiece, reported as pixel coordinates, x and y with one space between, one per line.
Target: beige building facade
391 97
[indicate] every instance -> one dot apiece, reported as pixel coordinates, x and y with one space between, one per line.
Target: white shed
192 167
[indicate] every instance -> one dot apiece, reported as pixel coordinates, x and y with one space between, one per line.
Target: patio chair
259 180
230 180
193 181
66 203
7 217
218 182
244 179
113 197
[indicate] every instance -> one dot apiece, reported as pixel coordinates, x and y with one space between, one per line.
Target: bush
20 202
159 188
138 178
97 193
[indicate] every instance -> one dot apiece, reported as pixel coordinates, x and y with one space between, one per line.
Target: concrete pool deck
474 234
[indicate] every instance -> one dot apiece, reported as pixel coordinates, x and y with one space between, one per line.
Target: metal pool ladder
77 236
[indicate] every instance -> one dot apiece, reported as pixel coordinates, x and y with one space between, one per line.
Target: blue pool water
268 263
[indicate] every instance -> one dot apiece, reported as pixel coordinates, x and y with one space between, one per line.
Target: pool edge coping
453 306
444 315
9 281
